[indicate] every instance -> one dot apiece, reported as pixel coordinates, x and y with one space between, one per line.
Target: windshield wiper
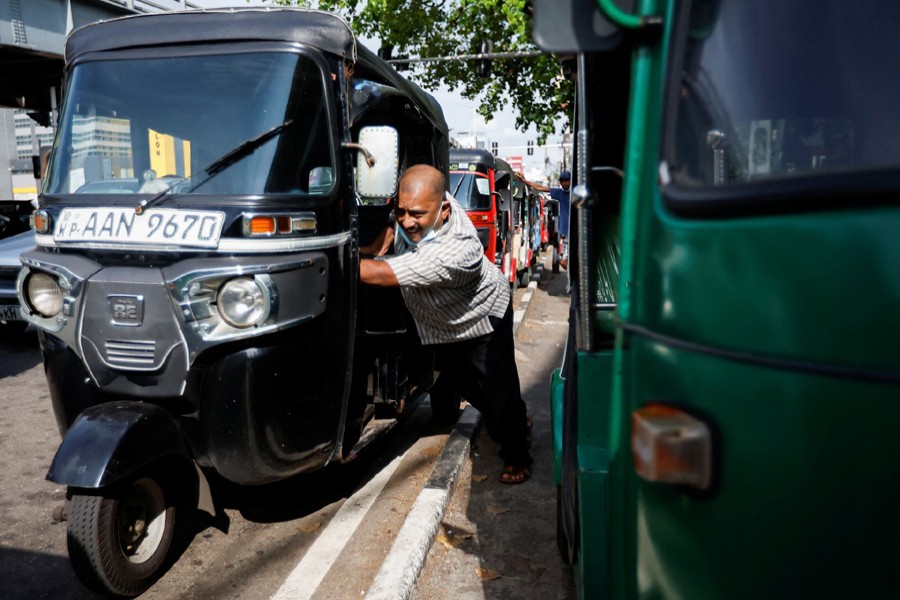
243 149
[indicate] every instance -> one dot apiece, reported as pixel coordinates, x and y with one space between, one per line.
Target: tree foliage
533 87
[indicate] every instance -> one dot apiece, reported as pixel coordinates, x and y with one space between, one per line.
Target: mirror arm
626 20
370 160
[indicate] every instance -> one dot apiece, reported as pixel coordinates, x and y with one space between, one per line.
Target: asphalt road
331 529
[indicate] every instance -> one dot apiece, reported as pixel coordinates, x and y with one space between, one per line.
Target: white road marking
303 581
400 569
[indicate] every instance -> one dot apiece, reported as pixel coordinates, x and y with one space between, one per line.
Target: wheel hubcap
141 520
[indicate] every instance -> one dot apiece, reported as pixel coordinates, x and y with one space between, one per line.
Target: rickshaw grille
131 353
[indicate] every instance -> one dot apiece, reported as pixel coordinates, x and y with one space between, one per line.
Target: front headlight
241 302
43 294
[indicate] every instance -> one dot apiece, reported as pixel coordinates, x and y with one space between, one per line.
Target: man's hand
377 272
381 244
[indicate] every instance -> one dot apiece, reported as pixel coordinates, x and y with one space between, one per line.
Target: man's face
564 184
417 211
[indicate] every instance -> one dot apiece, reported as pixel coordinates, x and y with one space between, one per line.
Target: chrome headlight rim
43 294
243 302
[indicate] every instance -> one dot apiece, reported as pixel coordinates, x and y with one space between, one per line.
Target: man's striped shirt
448 284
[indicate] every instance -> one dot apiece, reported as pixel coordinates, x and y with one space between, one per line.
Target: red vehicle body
476 181
545 235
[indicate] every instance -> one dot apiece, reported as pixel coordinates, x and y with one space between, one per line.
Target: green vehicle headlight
241 302
43 294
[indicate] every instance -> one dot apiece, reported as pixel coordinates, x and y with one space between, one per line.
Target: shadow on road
42 575
307 493
555 284
20 352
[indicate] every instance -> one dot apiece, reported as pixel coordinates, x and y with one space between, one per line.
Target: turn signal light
262 226
670 446
479 218
40 221
277 225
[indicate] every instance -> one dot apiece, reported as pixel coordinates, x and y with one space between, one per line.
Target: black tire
524 277
119 545
444 404
562 541
555 259
567 510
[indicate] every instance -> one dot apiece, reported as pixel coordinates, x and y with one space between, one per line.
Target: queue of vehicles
508 214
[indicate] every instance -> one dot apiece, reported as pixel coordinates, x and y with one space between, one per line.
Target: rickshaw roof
472 155
502 165
321 30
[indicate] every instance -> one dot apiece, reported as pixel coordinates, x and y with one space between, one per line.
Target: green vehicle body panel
557 387
775 330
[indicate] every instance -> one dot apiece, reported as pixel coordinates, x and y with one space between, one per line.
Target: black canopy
321 30
472 155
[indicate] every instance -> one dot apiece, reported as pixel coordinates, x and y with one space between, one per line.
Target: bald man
462 307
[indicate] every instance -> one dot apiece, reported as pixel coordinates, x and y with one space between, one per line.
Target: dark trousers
483 371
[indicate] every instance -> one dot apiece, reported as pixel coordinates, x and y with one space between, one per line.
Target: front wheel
118 545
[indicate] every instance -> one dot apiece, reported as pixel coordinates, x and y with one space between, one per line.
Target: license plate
9 313
156 227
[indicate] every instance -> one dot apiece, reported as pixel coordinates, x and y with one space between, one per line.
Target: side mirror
377 164
503 200
566 26
321 180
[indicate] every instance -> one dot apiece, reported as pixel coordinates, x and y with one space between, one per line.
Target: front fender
111 441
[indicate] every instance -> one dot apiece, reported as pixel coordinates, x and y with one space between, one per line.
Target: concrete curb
401 567
404 562
519 315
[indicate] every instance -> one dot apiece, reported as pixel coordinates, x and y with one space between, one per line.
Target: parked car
11 320
14 217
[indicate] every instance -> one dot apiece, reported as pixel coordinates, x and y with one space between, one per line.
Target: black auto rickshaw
201 313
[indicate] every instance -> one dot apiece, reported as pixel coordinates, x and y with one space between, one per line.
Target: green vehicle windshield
139 126
819 96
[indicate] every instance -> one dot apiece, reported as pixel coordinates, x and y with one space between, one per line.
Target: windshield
773 89
471 190
138 126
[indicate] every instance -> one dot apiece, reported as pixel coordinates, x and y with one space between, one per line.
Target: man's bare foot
564 263
513 474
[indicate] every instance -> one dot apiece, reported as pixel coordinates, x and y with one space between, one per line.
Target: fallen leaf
496 509
487 574
309 527
452 539
479 477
